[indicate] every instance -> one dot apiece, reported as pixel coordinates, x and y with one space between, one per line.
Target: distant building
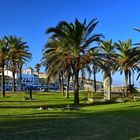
35 79
32 78
8 73
29 78
41 75
28 70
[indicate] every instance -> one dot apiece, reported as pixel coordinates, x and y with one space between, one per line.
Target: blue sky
29 19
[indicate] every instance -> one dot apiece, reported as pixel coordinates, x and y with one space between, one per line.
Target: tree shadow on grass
76 125
58 110
35 106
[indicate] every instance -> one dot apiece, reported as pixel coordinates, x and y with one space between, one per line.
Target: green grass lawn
21 120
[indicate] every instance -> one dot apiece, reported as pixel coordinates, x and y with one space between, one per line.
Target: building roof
41 74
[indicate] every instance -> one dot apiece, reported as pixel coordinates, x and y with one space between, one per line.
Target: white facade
30 79
29 70
9 73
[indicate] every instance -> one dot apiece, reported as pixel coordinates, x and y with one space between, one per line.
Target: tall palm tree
138 60
106 63
18 52
76 40
95 55
127 60
138 52
4 54
54 65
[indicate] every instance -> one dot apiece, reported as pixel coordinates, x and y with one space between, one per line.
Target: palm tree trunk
94 74
107 86
129 78
130 84
20 78
76 88
60 83
13 86
3 82
68 85
109 89
126 84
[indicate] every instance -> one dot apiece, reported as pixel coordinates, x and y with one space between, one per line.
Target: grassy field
21 120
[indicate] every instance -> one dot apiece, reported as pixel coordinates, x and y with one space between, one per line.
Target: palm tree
138 60
54 65
106 63
138 52
95 59
18 52
76 39
4 54
127 60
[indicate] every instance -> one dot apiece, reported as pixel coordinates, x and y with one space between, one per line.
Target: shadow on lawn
55 106
45 105
34 106
57 111
76 125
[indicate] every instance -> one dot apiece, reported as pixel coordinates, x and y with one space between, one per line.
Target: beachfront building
28 79
38 81
8 79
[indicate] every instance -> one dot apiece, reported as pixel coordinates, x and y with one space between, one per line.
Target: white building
28 70
29 78
8 73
